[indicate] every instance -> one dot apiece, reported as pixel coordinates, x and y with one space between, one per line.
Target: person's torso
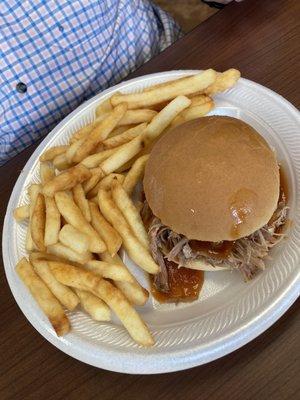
56 54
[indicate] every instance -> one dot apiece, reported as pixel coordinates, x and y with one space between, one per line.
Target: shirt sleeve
55 55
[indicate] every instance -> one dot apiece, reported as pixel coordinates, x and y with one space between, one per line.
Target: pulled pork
247 254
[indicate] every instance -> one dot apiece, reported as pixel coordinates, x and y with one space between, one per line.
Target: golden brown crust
212 179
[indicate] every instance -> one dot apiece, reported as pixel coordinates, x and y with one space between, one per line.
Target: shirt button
21 87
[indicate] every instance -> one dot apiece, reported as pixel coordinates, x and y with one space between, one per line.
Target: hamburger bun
212 179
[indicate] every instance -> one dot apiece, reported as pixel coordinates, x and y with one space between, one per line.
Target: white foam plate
229 312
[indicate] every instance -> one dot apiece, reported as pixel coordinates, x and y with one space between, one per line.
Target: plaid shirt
56 54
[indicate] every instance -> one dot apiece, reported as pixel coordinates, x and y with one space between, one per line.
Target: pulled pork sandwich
213 199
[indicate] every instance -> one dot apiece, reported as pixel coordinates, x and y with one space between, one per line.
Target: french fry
139 205
124 137
134 292
104 107
97 175
72 214
106 182
193 113
72 150
81 201
47 172
94 200
224 81
46 300
52 223
40 255
37 225
62 251
74 239
93 192
135 174
113 297
109 235
162 85
94 306
94 160
164 118
131 214
53 152
82 132
132 117
21 212
100 132
61 163
170 90
67 180
196 98
135 249
122 155
29 245
63 293
158 107
33 192
99 148
106 270
198 110
145 151
43 256
137 116
199 99
124 169
119 130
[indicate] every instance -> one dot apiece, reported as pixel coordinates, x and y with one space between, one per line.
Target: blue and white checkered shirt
57 53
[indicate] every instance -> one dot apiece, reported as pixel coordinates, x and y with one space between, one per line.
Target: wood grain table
261 38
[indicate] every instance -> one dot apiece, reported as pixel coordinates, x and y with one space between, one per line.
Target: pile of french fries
82 211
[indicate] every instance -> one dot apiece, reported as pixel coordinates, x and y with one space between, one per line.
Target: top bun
212 179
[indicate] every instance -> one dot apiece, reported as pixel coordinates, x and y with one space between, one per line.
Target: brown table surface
260 38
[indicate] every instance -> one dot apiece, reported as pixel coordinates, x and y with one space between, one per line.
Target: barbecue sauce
184 283
283 185
217 250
